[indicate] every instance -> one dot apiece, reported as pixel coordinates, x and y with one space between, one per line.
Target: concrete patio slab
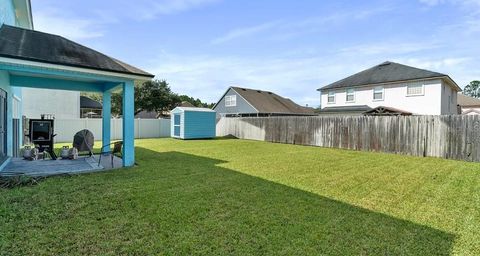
19 166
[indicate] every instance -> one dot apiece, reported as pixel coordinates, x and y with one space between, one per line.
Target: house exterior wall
242 105
5 85
7 13
449 100
470 110
62 104
395 95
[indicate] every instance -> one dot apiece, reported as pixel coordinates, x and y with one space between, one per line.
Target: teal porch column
106 116
128 124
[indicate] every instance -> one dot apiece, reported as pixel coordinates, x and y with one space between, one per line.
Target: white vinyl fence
144 128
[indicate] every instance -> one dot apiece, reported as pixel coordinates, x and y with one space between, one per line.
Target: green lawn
243 197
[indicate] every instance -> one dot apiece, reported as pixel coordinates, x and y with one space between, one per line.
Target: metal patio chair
117 150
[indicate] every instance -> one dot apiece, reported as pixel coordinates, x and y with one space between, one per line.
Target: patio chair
117 149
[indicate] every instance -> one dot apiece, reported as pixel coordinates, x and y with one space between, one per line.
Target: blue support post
106 116
128 124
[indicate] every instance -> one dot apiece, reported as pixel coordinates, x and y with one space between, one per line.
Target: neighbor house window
378 93
350 95
231 101
415 89
331 97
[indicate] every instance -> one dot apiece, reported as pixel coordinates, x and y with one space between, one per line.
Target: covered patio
32 59
45 168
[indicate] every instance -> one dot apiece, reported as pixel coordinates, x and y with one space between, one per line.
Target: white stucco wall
63 104
449 100
395 95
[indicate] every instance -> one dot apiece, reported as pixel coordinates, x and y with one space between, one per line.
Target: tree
155 95
472 89
196 102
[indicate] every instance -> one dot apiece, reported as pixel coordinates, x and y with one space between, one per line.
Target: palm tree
472 89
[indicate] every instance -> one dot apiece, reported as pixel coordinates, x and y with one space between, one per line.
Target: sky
201 47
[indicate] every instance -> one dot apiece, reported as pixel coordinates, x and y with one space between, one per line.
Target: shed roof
269 102
25 44
193 109
387 72
86 102
467 101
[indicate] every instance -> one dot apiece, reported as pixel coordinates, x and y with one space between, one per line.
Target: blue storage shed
192 123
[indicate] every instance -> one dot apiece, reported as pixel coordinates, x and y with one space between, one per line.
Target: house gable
242 106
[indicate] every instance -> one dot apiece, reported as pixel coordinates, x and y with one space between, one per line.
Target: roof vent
270 93
259 91
243 89
386 63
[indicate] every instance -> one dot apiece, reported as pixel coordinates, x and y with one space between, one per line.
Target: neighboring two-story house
243 102
398 88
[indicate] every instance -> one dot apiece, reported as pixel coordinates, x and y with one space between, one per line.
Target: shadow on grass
224 211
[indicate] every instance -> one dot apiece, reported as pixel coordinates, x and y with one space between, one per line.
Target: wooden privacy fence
452 137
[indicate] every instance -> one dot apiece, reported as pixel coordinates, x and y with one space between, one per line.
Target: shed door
176 125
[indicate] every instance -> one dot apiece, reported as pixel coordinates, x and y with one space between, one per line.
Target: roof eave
37 63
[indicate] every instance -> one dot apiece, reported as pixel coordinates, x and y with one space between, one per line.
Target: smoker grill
41 135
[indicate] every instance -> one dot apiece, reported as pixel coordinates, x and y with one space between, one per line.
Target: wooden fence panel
451 137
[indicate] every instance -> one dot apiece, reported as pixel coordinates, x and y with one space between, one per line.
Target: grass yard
243 197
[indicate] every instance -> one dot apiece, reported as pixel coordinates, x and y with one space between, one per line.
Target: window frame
334 95
417 94
350 94
231 101
382 89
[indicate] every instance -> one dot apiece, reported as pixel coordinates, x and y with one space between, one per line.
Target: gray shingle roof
269 102
384 73
86 102
19 43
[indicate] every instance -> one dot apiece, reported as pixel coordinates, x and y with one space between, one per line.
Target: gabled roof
25 44
386 111
144 114
269 102
387 72
467 101
86 102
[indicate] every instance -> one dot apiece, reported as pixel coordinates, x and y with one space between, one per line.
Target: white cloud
150 9
55 22
390 48
458 68
244 32
292 28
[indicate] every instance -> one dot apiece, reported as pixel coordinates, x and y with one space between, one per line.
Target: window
331 97
231 101
350 95
378 93
415 89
